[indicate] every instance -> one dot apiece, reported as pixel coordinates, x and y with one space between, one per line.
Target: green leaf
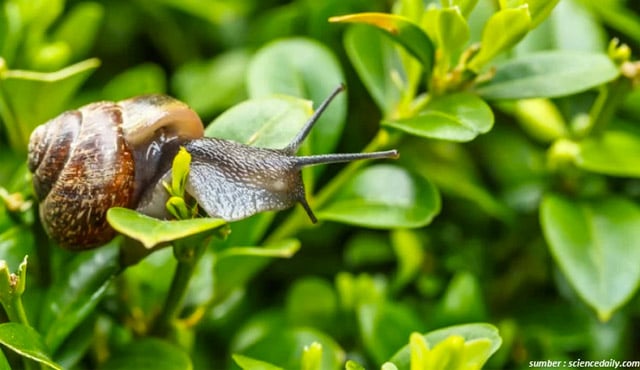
236 265
408 248
311 302
540 118
28 99
152 231
366 249
285 347
615 153
450 166
548 74
86 16
388 366
462 301
312 357
449 31
401 30
262 122
4 363
455 117
596 245
616 16
143 79
540 10
76 293
352 365
180 172
27 342
355 291
475 336
306 69
384 196
248 363
212 85
148 353
385 327
466 6
283 249
502 32
378 65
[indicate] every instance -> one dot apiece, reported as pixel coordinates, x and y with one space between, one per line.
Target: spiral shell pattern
85 144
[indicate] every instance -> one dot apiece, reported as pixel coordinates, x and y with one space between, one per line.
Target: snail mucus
109 154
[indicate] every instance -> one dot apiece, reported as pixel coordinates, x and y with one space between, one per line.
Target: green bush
507 232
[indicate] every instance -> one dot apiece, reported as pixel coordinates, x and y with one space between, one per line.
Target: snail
109 154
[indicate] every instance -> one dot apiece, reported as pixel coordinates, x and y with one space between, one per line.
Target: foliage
507 232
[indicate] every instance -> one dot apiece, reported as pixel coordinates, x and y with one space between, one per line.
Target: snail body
108 154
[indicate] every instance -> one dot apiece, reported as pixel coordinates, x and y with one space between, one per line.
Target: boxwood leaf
149 353
27 342
596 244
152 231
470 332
410 255
447 28
401 30
263 122
385 327
77 292
193 82
306 69
384 196
615 153
234 268
455 117
503 31
548 74
378 64
285 346
466 6
28 98
540 10
147 78
248 363
83 16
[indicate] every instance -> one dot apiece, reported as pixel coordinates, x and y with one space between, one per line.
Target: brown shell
89 147
84 162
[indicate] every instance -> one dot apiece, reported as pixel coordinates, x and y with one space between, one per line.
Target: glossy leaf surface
615 153
469 332
502 32
401 30
596 245
548 74
378 65
149 353
73 297
27 342
305 69
262 122
455 117
152 231
384 196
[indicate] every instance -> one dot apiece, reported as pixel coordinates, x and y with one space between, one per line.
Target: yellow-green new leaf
152 231
503 31
401 30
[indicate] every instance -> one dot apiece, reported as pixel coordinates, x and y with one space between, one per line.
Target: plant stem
188 255
607 103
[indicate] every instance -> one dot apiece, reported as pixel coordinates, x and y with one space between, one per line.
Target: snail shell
108 154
